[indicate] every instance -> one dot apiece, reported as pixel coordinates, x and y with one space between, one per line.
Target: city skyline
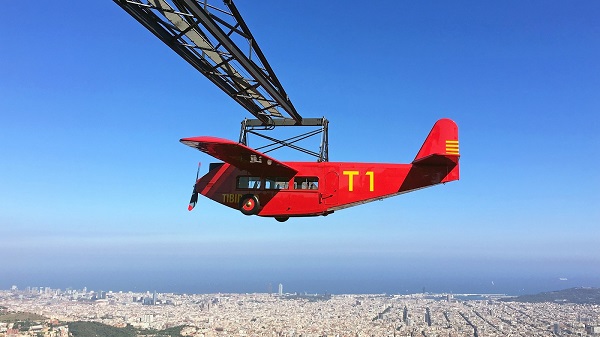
150 297
95 185
265 314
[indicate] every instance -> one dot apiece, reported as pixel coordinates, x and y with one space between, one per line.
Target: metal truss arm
210 39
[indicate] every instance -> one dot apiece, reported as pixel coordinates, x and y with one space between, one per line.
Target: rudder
440 146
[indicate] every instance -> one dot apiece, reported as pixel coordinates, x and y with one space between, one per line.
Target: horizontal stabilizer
240 156
437 160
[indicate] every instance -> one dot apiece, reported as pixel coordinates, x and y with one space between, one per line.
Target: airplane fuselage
257 184
318 188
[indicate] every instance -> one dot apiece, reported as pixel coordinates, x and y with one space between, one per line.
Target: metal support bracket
258 128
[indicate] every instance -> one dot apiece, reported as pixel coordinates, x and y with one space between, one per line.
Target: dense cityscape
285 314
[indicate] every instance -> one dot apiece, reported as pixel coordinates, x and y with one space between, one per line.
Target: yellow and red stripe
452 147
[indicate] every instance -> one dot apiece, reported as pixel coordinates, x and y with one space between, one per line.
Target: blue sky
94 183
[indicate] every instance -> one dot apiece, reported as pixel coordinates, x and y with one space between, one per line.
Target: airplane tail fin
441 148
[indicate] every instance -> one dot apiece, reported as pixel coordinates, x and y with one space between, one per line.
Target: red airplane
257 184
215 40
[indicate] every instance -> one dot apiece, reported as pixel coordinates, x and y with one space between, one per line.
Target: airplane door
330 195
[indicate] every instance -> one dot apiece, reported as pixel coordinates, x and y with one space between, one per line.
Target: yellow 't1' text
351 175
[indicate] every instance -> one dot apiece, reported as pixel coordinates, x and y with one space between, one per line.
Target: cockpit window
306 183
245 182
277 183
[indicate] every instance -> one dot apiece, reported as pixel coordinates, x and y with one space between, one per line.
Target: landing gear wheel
249 204
282 219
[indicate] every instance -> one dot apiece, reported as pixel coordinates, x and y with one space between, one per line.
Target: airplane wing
240 156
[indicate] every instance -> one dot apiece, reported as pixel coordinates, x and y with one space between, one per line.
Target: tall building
280 289
428 316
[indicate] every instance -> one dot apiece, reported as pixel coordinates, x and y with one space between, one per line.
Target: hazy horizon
368 277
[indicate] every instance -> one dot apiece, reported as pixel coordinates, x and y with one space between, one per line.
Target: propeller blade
194 198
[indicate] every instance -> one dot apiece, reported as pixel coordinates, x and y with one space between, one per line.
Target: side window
306 183
248 183
277 183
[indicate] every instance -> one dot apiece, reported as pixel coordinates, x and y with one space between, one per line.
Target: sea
324 283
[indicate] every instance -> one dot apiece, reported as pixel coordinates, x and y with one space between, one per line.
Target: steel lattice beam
205 36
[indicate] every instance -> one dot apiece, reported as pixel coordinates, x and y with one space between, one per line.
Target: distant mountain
572 295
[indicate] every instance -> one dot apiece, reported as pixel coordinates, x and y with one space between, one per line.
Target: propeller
194 198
